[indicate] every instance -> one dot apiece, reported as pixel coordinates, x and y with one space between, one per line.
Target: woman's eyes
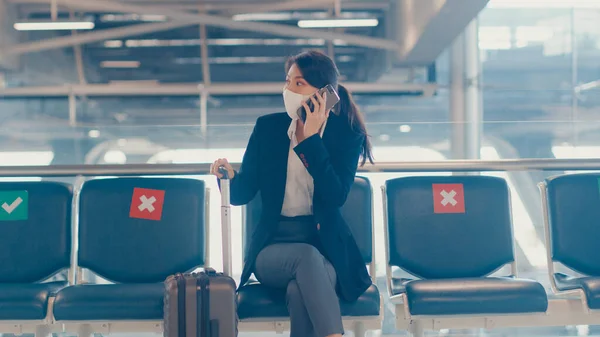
287 82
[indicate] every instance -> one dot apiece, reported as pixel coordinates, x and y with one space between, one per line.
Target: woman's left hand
317 117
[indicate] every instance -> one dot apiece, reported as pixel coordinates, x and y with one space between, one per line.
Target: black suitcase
200 305
204 304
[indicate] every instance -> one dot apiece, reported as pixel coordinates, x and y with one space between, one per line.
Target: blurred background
183 81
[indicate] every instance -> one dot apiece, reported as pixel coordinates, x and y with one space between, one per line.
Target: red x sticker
448 198
147 204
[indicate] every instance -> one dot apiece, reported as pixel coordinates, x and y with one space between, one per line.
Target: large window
25 158
541 72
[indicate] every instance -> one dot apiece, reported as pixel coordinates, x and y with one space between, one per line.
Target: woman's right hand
214 168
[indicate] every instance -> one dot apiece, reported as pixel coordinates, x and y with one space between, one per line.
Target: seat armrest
55 287
566 282
399 285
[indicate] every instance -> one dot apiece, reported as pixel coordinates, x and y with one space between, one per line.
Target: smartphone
331 100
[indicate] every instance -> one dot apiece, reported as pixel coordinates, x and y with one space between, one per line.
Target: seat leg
359 329
416 329
42 331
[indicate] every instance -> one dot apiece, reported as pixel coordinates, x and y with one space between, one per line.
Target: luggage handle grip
224 172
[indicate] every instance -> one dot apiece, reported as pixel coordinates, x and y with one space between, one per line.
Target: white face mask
293 102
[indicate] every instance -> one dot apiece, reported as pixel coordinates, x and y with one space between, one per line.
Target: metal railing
200 169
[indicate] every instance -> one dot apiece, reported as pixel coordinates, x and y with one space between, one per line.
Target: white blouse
299 186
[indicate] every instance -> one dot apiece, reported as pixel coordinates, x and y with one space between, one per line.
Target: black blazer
332 162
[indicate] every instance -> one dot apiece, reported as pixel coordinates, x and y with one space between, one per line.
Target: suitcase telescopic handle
225 221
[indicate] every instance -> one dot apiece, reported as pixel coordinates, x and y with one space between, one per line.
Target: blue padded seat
573 215
135 253
110 302
34 245
491 295
27 301
451 251
258 301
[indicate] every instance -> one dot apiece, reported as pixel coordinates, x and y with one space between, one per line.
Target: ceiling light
263 17
120 64
384 138
296 15
132 17
230 60
247 60
54 25
113 44
338 23
94 133
162 43
144 43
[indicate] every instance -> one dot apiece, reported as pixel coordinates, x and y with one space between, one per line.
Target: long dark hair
320 70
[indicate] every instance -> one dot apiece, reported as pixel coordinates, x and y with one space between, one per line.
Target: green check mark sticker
14 205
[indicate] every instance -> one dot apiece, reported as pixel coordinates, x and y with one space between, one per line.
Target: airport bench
572 218
134 232
451 234
264 309
35 244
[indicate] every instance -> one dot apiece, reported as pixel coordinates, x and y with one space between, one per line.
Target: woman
304 172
